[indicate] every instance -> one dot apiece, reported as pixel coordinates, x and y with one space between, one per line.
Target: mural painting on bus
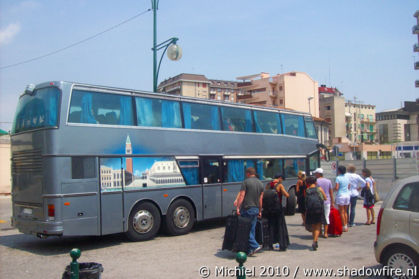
139 172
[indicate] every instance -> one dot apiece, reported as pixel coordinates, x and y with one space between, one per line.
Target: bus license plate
27 211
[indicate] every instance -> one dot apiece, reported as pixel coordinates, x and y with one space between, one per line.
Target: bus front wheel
144 222
180 217
291 202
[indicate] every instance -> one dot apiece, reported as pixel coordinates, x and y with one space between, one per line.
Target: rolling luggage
230 232
263 233
335 226
241 241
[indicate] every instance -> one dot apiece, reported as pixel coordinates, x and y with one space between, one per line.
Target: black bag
263 233
270 201
241 242
314 203
230 232
363 191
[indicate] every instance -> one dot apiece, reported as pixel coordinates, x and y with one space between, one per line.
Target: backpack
270 201
314 203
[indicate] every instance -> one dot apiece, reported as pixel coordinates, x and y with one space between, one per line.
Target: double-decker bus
95 160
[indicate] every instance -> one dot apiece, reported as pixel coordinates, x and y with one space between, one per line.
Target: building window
328 107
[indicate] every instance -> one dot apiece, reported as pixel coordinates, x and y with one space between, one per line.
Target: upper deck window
199 116
293 125
158 113
267 122
100 108
236 119
310 129
38 110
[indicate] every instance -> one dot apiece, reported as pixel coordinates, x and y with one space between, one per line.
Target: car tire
291 205
180 217
144 222
401 257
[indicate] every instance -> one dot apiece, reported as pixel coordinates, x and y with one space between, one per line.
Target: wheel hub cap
181 217
402 262
143 221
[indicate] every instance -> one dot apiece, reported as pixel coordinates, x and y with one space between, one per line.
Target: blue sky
362 47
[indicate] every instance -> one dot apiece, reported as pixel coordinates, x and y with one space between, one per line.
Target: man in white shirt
355 183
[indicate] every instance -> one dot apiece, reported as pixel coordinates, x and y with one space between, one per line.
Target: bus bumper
38 228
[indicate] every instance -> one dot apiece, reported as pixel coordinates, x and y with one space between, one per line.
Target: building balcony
415 29
417 65
416 47
243 84
417 83
366 120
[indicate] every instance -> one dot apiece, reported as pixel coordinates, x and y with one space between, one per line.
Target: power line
74 44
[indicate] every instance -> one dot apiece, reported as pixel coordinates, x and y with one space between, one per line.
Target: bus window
211 171
190 171
314 161
235 171
38 110
293 125
83 167
141 172
100 108
200 116
310 129
293 166
267 122
272 167
236 119
158 113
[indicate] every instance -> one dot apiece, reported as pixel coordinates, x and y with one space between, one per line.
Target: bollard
74 265
241 257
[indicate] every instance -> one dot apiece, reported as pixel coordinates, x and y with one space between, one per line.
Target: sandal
367 223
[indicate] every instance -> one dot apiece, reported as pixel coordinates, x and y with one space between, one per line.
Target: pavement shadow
59 245
296 246
305 236
225 254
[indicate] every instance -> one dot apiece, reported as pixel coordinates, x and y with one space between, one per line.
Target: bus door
211 176
111 195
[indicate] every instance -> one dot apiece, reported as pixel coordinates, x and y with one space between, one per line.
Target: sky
364 48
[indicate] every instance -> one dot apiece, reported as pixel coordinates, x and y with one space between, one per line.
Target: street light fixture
174 52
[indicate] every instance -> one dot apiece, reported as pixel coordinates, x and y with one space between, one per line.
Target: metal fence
385 172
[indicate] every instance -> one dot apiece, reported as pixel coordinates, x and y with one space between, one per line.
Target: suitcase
335 226
263 233
241 241
230 232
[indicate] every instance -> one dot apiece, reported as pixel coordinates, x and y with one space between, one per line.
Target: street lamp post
174 52
309 104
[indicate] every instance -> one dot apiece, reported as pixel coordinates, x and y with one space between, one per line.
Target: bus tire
144 222
291 205
180 217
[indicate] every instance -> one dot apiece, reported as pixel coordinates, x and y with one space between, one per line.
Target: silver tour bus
95 160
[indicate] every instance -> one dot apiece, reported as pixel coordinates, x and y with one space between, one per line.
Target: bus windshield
38 110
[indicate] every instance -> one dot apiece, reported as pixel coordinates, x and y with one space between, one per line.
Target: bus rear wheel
180 217
144 222
291 202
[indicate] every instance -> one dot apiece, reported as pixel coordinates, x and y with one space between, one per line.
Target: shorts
343 200
327 213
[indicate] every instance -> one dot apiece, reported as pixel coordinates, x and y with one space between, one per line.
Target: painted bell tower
128 151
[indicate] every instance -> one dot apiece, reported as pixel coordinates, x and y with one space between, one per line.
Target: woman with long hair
369 196
300 190
343 196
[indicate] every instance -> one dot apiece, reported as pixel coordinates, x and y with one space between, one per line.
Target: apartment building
412 127
199 86
294 90
415 31
331 109
360 122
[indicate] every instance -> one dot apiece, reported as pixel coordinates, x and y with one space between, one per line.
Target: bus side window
200 116
158 113
267 122
293 125
237 119
190 171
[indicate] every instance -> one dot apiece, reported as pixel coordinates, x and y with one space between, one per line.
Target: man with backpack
327 187
249 205
315 197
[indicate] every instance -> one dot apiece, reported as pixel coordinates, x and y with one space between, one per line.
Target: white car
397 244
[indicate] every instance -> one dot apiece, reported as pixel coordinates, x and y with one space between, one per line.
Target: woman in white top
355 183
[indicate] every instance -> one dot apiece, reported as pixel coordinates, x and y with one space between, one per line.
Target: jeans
352 214
251 213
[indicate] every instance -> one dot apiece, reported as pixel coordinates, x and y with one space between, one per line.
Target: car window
408 198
